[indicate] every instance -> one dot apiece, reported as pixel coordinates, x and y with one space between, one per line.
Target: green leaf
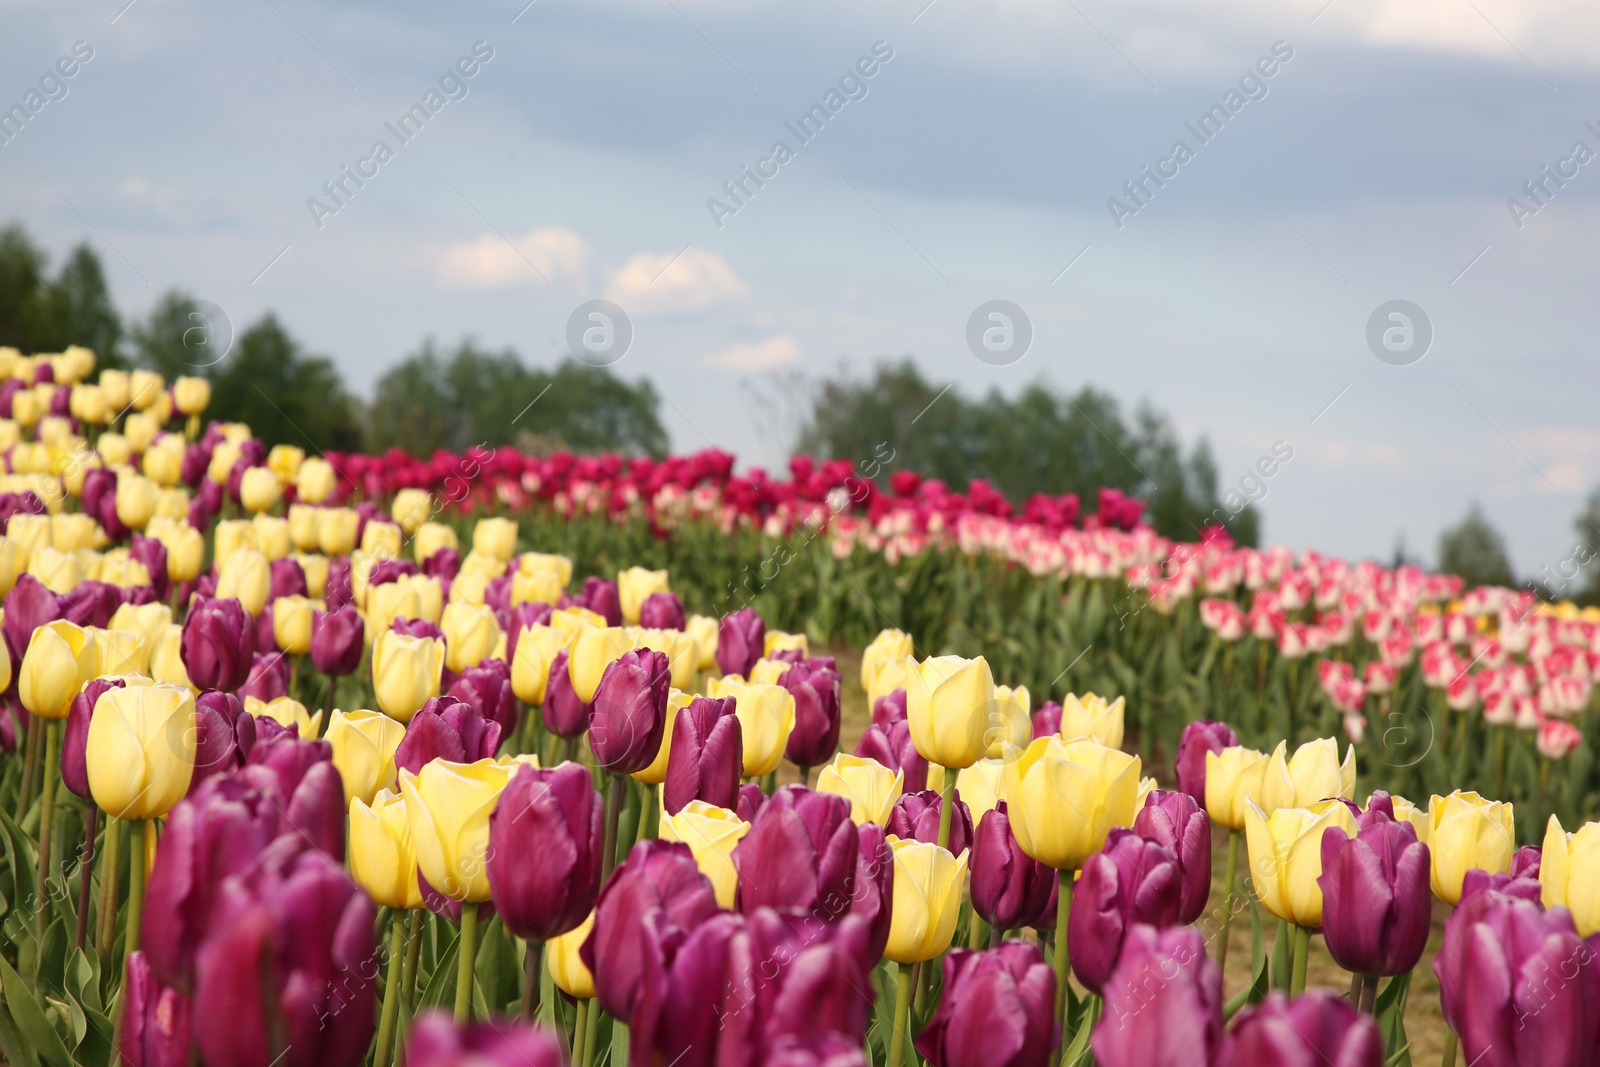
1259 978
16 1050
71 1016
30 1020
1280 957
441 988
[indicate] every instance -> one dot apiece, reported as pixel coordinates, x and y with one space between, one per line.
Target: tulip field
498 759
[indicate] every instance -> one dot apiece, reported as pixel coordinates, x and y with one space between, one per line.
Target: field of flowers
503 759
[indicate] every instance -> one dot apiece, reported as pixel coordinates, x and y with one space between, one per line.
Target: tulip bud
997 1009
1376 904
915 816
663 611
140 750
1317 1027
406 672
1010 889
892 746
1467 832
740 641
336 638
562 960
766 718
1569 875
448 805
928 884
871 788
364 745
883 663
815 737
564 713
1163 1003
487 687
1286 858
630 712
156 1019
800 852
1175 822
382 860
1130 881
436 1041
706 756
949 701
1099 785
1197 740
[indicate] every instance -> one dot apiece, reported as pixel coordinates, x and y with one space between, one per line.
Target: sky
1335 157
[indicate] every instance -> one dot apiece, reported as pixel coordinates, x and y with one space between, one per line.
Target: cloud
774 353
664 284
492 262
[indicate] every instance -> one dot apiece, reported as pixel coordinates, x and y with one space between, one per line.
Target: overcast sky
978 161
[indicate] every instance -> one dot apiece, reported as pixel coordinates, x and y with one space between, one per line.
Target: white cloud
492 262
774 353
663 284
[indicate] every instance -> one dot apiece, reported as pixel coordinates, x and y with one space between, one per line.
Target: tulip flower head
766 718
928 887
1569 873
1376 900
448 806
630 706
545 842
406 672
1065 797
1163 1003
1010 889
1092 717
997 1010
61 659
382 860
871 788
712 833
1286 850
706 757
950 704
140 750
364 746
1467 832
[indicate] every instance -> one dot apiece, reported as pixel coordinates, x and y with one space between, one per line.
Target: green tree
21 277
43 314
283 394
180 338
1475 550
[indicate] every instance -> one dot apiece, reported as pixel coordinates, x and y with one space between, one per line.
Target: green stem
105 933
1063 969
136 856
468 956
805 774
947 804
1302 953
391 991
1227 903
30 757
534 951
408 979
1369 994
902 1016
1448 1057
52 774
591 1032
85 871
578 1047
616 797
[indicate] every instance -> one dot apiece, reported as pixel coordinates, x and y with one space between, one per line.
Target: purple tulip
707 755
890 708
224 735
832 1050
657 896
269 674
99 500
449 729
436 1041
391 570
153 554
1047 720
997 1008
1010 889
916 815
336 640
545 842
1197 739
1313 1030
1525 862
155 1020
740 641
301 778
661 611
288 578
630 711
564 714
1129 881
294 928
196 458
416 628
497 597
16 503
677 1016
1163 1003
800 852
487 687
215 833
338 592
218 644
514 619
91 603
872 895
1517 983
891 745
815 737
75 738
601 597
751 801
1174 821
444 564
1376 899
29 605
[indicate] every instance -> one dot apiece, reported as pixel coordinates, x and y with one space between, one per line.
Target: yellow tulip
171 504
540 587
928 886
469 589
336 530
1010 722
291 624
315 568
537 562
186 553
1315 771
477 564
72 530
284 461
448 806
883 663
495 537
412 508
406 672
704 631
1090 716
768 671
303 527
11 563
470 634
136 500
592 652
634 585
259 489
166 659
140 750
114 384
88 404
949 701
766 718
778 641
537 647
1234 778
287 711
248 576
712 833
380 539
566 967
30 532
1569 873
980 787
388 602
364 744
231 535
272 536
430 538
1064 797
656 773
1467 832
574 620
870 787
163 464
316 480
119 652
60 660
191 395
1285 850
382 861
683 657
145 388
59 571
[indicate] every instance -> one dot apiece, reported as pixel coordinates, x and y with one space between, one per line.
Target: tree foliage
39 313
1475 550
